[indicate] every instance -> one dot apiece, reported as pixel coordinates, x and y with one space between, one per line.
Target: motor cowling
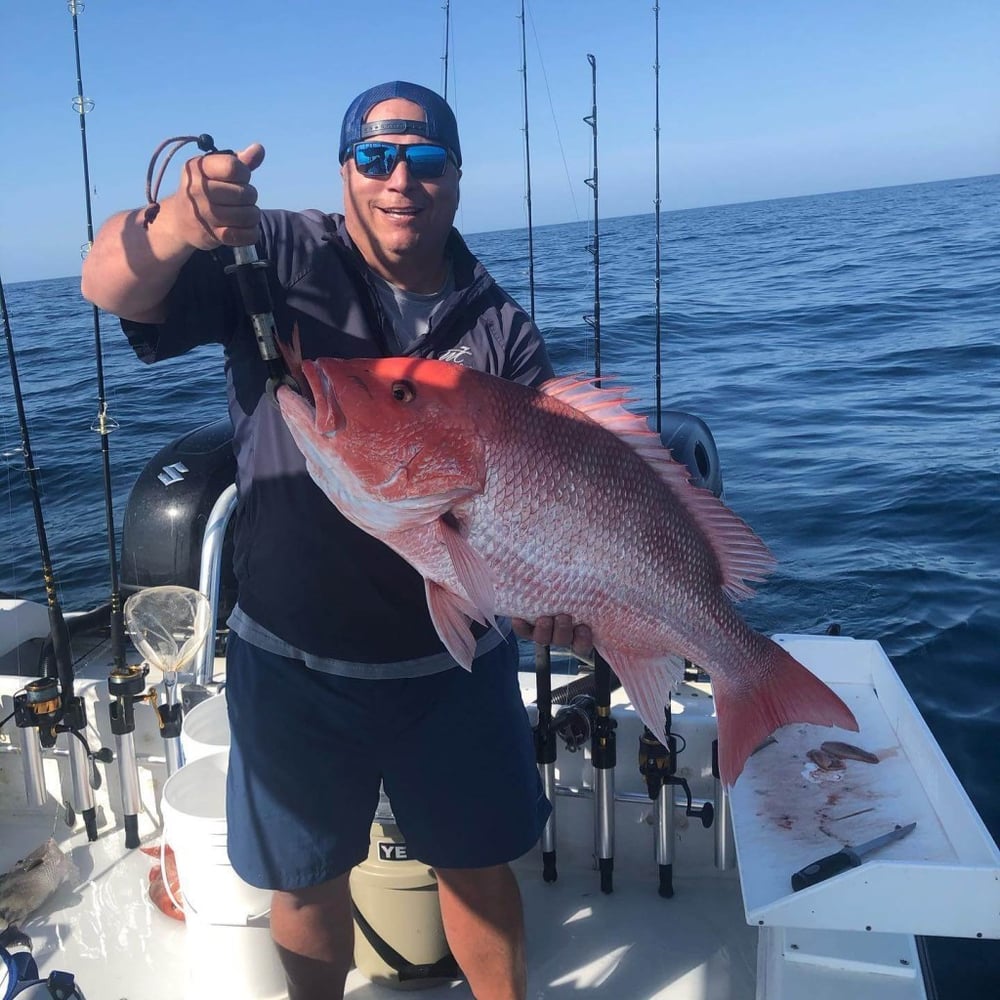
168 509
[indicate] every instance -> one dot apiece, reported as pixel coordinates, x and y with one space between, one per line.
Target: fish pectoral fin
648 680
473 573
451 615
26 865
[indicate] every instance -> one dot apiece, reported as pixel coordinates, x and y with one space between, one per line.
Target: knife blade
849 857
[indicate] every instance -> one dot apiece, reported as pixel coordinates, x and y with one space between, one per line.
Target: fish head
402 432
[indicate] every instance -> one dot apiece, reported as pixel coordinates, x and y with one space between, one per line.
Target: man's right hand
215 202
132 266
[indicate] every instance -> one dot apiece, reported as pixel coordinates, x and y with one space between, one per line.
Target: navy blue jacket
304 572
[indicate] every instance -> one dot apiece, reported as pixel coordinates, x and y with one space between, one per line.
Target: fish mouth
330 417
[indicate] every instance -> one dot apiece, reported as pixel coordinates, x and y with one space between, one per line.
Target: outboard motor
691 443
167 511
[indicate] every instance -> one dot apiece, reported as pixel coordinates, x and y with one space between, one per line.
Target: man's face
400 224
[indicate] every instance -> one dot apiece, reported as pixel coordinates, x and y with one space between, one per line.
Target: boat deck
630 944
726 934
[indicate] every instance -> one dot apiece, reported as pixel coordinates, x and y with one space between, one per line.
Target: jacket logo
172 473
457 355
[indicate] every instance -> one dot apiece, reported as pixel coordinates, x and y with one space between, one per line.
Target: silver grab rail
210 576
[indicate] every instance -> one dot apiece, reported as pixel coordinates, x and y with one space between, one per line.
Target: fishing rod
447 36
104 424
124 681
603 748
545 734
48 704
658 756
656 212
527 168
594 247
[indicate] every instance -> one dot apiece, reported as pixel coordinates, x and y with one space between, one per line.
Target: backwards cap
440 125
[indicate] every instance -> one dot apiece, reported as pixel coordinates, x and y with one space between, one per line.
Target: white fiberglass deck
631 944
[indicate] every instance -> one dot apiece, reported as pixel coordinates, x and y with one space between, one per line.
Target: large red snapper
529 502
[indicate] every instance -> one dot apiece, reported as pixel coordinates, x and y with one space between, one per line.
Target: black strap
444 968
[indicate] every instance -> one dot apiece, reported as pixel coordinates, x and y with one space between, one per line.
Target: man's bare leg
484 923
313 930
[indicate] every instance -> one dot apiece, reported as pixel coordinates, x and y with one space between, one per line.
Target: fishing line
453 103
7 455
555 121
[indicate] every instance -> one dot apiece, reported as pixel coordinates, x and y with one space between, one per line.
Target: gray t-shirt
410 314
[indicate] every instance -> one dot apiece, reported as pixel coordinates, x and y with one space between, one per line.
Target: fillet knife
841 861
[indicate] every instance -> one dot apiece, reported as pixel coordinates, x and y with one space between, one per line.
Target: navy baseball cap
439 124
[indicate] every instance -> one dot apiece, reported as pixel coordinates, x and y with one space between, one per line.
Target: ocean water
844 350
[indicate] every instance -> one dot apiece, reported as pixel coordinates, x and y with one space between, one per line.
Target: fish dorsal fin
741 554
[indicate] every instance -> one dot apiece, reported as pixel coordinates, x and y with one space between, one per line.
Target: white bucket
228 940
205 728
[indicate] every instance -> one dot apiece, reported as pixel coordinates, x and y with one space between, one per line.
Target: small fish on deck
826 761
848 751
30 882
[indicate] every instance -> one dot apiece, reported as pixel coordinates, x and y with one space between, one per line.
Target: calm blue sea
844 349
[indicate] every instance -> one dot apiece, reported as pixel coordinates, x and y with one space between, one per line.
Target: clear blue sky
759 99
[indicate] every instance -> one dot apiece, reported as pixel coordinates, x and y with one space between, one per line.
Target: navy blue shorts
454 750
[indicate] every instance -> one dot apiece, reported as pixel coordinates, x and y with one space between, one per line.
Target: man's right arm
132 267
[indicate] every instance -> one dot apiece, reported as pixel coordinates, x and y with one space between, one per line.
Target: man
336 679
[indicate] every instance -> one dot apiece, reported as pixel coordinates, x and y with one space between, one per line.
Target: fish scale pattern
573 518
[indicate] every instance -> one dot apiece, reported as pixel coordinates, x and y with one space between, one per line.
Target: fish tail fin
781 691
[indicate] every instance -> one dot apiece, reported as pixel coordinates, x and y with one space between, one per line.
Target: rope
204 142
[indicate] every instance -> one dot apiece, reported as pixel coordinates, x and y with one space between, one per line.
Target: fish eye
403 391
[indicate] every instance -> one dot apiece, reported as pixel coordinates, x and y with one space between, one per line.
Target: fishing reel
658 765
126 686
39 706
573 723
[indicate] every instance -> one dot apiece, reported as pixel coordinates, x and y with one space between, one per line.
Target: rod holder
725 846
126 686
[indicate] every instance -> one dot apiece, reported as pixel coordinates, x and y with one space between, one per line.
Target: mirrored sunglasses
424 160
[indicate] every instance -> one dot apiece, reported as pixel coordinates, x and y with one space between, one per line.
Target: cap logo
395 126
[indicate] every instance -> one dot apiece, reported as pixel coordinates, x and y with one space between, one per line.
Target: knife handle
819 871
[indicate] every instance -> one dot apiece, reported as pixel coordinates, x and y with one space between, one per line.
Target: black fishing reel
39 706
658 765
126 685
573 723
